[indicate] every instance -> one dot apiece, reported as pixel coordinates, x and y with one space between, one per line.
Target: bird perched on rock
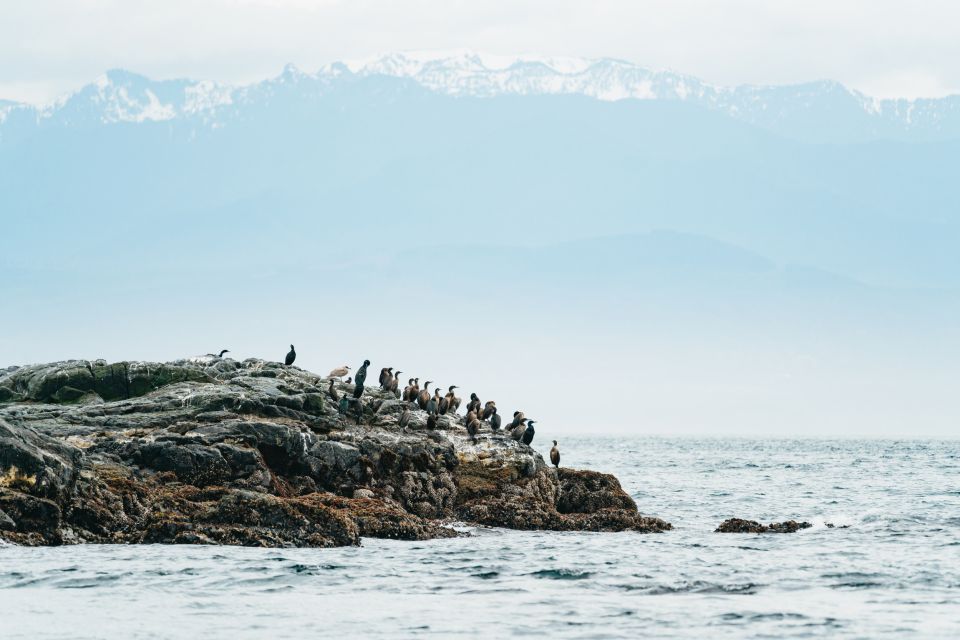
408 390
349 380
517 432
404 418
528 433
424 396
339 372
386 376
473 428
474 404
495 421
432 421
343 405
360 378
517 420
555 455
489 408
433 404
394 386
291 356
447 403
220 355
471 416
333 392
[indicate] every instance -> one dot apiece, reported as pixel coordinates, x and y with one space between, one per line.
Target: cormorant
432 404
424 396
361 376
404 418
529 433
473 427
385 375
394 386
291 356
474 404
339 372
343 406
333 392
555 455
349 380
495 420
432 422
517 432
489 408
218 355
517 419
448 400
444 406
407 390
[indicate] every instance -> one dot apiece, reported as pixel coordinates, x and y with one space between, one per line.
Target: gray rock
215 450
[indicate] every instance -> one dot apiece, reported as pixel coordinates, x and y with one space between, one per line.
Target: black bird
343 406
432 421
291 356
404 418
495 420
529 433
555 455
361 376
517 419
474 404
220 355
333 392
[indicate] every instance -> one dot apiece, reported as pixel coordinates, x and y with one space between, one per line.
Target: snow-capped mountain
818 112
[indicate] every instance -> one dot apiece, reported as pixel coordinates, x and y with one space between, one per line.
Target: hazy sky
890 48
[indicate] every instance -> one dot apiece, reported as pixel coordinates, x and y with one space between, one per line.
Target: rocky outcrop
217 451
738 525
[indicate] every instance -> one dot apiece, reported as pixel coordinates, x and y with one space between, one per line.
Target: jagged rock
215 451
738 525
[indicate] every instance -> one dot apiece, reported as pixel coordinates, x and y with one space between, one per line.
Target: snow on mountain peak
122 96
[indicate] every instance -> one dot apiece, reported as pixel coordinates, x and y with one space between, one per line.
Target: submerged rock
215 451
738 525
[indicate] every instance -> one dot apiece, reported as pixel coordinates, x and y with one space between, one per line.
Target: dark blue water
894 573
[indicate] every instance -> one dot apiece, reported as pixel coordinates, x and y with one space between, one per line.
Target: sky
885 48
848 327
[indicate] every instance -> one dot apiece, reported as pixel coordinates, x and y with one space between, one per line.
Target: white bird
339 372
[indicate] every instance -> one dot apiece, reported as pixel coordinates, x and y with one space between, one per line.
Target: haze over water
893 573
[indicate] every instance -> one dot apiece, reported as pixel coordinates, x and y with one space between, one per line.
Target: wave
561 574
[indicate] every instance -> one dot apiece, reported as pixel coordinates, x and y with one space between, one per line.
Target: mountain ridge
819 111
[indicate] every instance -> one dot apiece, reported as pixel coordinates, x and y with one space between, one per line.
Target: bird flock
479 415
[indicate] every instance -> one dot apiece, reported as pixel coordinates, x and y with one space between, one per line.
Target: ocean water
894 573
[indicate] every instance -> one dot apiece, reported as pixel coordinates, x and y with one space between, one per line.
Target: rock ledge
216 451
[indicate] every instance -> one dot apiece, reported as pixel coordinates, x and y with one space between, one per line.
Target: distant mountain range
366 160
822 111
